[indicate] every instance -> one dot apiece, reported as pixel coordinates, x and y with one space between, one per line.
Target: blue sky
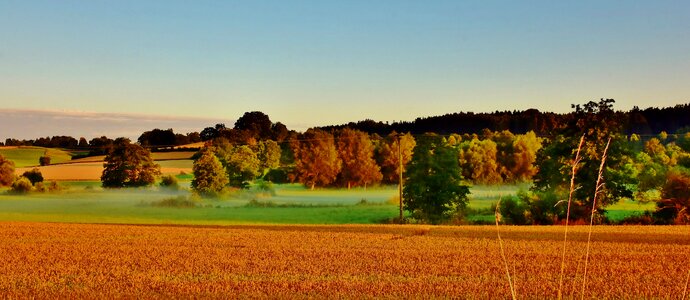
309 63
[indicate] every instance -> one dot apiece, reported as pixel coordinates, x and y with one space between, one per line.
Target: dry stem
686 286
503 255
597 190
567 218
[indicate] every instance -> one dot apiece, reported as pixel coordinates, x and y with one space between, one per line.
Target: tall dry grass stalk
503 254
687 279
567 217
597 190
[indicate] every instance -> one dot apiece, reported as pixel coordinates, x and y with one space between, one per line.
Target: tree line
649 121
440 168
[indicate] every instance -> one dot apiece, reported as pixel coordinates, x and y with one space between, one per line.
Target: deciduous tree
357 154
598 122
389 158
6 171
128 165
210 177
316 158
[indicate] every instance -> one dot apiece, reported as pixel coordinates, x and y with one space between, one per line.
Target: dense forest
649 121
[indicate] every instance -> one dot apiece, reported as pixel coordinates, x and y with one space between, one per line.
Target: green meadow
25 156
87 202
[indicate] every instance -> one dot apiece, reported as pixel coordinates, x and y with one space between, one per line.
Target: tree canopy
210 177
433 188
597 122
356 152
316 158
128 165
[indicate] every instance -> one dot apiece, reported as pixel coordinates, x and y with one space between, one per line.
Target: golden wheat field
45 260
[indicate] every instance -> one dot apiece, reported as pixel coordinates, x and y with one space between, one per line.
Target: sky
74 65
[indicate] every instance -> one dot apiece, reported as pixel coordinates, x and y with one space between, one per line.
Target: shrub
178 202
277 176
34 175
514 211
638 219
265 187
44 160
40 187
6 171
43 187
21 186
675 203
169 181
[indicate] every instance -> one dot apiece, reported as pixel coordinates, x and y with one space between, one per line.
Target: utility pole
400 183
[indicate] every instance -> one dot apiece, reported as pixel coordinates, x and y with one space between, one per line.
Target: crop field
45 260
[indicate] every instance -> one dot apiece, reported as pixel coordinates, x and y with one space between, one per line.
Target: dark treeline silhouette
647 121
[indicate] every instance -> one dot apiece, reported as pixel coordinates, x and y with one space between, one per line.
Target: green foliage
357 155
277 175
34 175
177 202
21 186
514 211
268 152
242 165
265 187
209 175
597 122
170 182
478 161
316 158
433 189
6 171
128 165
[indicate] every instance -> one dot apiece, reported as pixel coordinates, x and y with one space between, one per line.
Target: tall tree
478 161
525 148
357 154
6 171
157 137
209 175
598 122
242 166
128 165
268 153
257 123
316 158
389 158
433 189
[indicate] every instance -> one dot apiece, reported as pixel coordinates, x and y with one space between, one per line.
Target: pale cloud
31 124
